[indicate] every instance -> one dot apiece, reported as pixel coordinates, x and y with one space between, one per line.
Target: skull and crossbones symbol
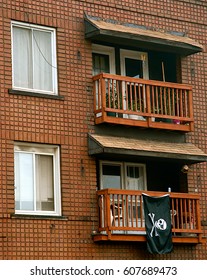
160 224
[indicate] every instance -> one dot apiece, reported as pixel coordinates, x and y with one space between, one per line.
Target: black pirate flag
158 224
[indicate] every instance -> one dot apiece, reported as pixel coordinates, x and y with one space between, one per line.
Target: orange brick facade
67 121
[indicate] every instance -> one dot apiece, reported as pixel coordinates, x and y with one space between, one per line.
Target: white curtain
135 178
42 60
44 183
22 58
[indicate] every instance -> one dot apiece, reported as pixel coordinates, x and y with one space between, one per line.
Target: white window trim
54 151
108 51
54 57
123 166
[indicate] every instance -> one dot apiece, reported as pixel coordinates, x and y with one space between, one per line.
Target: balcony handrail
185 212
150 193
142 81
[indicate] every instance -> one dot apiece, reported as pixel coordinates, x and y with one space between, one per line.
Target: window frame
123 168
110 51
51 150
115 163
53 56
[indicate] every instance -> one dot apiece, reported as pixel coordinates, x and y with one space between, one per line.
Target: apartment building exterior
100 103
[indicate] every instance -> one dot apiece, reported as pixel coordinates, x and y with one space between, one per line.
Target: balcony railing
121 216
145 103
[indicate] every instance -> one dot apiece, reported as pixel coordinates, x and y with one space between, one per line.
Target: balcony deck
144 103
121 216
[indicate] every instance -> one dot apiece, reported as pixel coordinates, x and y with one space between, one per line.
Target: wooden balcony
144 103
121 216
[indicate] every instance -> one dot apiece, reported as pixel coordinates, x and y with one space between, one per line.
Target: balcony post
103 96
148 105
198 221
108 216
190 102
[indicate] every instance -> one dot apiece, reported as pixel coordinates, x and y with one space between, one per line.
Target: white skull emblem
161 224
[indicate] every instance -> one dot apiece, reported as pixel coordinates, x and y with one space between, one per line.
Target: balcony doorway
124 210
134 64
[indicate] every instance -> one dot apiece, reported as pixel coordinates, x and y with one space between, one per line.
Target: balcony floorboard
143 124
142 238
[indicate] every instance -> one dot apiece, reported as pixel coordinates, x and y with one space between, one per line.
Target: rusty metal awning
139 36
106 145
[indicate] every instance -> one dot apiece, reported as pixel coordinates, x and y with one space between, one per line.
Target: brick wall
67 121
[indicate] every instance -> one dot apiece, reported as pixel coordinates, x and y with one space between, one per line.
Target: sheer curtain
32 59
42 60
44 183
22 58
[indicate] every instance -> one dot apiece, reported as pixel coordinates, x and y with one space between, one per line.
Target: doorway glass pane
135 177
134 68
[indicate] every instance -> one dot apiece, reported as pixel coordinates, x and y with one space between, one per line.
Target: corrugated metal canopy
112 145
110 31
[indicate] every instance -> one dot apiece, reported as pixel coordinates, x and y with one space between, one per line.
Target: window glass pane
44 183
111 177
24 181
22 57
42 60
100 63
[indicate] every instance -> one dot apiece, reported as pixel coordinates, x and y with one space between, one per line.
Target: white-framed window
37 179
34 62
122 175
103 59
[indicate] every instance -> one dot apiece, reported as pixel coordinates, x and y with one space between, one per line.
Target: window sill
35 94
38 217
